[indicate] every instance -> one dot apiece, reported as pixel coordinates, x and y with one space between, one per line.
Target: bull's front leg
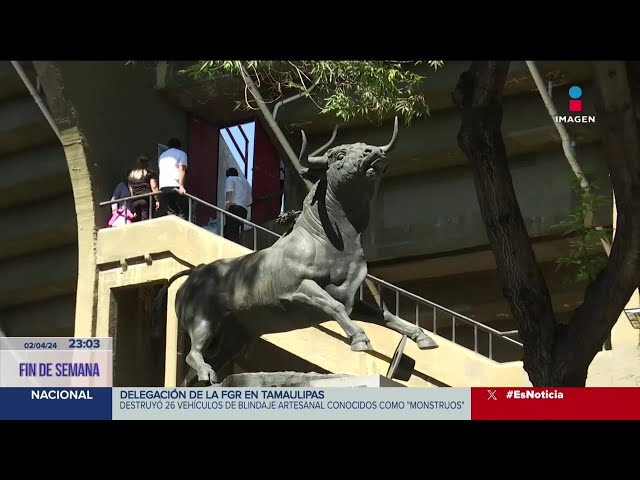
310 294
372 313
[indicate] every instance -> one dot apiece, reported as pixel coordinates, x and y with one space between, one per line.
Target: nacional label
62 394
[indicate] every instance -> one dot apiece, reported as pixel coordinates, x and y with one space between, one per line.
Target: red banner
555 403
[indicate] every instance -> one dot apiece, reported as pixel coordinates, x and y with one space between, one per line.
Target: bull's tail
158 303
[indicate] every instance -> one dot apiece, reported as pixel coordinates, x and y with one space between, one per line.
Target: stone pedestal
297 379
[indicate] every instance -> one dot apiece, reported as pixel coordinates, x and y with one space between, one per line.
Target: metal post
453 329
475 338
490 346
190 210
397 303
255 239
434 320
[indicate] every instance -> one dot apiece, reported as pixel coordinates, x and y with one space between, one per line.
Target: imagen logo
575 106
575 102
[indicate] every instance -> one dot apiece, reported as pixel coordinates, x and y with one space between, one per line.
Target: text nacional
66 394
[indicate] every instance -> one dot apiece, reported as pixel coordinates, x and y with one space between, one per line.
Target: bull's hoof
206 374
361 346
425 342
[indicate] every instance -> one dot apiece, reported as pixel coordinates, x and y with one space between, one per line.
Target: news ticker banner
71 379
335 403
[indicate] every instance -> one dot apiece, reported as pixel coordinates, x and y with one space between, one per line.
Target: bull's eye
340 156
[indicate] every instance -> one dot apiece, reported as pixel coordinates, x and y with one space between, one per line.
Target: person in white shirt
172 169
238 200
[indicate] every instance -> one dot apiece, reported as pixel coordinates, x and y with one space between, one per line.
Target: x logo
492 395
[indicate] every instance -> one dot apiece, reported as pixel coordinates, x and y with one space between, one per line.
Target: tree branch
273 125
607 295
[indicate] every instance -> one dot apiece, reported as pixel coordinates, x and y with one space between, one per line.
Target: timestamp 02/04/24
66 344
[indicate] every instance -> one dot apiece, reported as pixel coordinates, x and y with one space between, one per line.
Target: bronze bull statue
308 276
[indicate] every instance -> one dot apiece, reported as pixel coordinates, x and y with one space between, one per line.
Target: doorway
138 357
236 150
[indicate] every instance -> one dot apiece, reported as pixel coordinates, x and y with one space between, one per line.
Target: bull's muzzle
374 165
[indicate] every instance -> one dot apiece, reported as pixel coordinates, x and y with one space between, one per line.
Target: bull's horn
326 145
314 161
309 161
304 146
387 147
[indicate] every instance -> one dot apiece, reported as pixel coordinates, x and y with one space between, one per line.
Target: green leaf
586 256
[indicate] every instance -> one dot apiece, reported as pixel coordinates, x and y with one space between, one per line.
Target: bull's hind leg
310 294
374 314
201 333
233 343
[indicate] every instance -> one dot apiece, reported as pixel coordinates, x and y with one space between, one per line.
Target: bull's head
354 165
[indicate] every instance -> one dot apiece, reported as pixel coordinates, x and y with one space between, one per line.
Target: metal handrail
477 326
132 197
191 197
464 318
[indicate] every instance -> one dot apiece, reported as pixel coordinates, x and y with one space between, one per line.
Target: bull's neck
340 218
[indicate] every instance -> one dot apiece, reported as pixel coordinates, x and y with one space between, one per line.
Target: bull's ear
312 175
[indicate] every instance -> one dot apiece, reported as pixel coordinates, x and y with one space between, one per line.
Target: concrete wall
109 113
433 212
38 232
620 366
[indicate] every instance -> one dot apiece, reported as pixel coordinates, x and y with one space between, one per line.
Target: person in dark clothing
122 190
143 180
238 199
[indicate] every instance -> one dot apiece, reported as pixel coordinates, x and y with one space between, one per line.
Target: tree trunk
554 355
478 95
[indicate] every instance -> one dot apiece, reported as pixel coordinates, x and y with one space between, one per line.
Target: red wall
266 178
202 172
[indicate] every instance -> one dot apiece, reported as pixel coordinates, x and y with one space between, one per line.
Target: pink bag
119 218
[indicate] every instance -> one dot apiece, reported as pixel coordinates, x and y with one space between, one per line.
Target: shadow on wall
139 359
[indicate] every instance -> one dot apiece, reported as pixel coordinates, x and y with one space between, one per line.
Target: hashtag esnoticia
530 394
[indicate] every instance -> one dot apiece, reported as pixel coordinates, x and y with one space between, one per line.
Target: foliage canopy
346 89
